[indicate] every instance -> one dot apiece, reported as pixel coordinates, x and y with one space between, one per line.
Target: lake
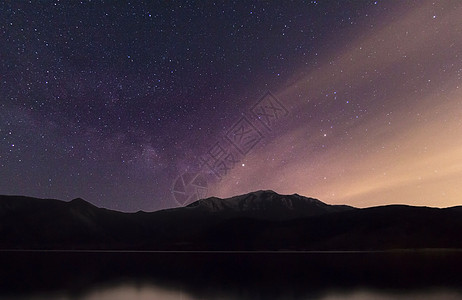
230 275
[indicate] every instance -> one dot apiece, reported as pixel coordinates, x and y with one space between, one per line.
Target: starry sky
116 102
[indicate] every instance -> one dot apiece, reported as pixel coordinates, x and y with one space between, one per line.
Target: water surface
265 275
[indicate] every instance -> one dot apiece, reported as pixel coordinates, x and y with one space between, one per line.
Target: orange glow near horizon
402 79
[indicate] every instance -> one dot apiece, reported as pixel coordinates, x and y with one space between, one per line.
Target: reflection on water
153 292
119 292
194 276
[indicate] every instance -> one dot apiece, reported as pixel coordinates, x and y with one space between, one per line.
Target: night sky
351 102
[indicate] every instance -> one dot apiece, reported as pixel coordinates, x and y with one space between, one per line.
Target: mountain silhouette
262 220
267 205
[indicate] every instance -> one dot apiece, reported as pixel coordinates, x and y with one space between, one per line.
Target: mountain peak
80 202
263 192
267 203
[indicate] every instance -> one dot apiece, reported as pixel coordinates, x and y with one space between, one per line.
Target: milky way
112 102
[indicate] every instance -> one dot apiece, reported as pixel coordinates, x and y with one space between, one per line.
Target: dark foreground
262 220
238 275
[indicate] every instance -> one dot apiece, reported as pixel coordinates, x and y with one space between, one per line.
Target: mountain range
258 221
